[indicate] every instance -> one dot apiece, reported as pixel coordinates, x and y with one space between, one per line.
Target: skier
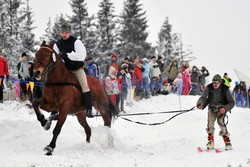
219 100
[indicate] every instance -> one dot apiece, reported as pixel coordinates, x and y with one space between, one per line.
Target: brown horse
62 93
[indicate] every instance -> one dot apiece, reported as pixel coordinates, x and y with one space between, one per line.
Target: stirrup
89 113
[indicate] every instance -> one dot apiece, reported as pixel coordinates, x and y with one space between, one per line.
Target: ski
216 150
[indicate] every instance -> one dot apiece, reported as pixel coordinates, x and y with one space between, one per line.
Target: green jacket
226 81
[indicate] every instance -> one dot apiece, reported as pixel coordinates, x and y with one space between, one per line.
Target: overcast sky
218 30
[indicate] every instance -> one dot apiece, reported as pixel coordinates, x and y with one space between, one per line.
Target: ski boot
210 144
228 145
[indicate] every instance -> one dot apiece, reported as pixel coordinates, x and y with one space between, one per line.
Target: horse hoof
47 125
48 150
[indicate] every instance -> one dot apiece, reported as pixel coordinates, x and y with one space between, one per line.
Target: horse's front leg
39 115
61 119
53 116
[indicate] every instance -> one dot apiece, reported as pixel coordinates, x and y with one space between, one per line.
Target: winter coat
178 84
161 66
75 50
93 70
146 71
155 70
186 82
226 81
217 97
137 76
4 67
24 70
203 76
111 85
195 75
171 71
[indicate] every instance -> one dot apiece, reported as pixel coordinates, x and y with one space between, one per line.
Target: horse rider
73 52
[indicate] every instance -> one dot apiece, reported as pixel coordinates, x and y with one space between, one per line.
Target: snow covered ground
173 144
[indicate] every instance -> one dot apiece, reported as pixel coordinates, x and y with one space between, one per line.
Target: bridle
47 69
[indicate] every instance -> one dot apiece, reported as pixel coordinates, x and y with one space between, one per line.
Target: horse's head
43 57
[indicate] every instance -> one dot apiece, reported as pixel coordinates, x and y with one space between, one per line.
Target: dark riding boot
88 102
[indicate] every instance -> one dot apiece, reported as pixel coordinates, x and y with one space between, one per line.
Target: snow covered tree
3 23
90 41
83 26
11 42
181 52
106 29
48 33
27 37
164 43
170 45
79 20
56 30
133 35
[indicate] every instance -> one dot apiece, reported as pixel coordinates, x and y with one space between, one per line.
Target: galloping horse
62 93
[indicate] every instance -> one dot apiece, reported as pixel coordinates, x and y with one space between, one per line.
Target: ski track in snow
126 144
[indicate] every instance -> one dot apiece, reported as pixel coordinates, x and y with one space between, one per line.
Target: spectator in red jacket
137 79
3 72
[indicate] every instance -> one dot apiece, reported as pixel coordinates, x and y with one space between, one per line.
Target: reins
48 69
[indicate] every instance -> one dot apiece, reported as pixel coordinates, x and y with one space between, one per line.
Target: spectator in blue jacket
93 68
145 78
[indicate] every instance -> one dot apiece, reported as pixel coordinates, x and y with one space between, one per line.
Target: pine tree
59 20
79 20
164 44
27 37
181 52
106 29
3 23
47 37
90 40
83 26
133 35
10 22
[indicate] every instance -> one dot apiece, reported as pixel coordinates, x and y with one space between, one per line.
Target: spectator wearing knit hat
24 75
113 63
111 86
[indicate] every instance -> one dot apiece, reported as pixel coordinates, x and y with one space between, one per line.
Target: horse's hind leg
82 120
105 117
